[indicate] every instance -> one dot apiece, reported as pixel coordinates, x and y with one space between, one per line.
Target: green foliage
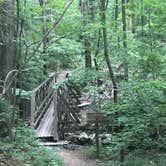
30 80
90 152
60 83
65 53
140 158
86 77
24 94
6 113
141 117
27 150
4 117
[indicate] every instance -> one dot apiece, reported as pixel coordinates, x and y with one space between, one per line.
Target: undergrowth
137 125
25 150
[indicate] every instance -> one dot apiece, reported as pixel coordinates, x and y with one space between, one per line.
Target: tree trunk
116 14
124 39
132 18
8 52
7 38
97 51
88 60
103 5
142 18
87 17
45 12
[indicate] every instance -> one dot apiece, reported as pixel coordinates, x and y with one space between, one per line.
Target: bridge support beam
55 124
32 110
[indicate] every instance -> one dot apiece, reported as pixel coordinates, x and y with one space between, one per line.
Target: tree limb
9 80
51 29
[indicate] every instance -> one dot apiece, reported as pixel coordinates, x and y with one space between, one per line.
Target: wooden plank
96 117
45 128
55 121
40 100
65 109
43 83
59 143
43 103
33 103
84 104
42 113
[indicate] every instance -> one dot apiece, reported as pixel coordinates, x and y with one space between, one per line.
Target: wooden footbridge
54 108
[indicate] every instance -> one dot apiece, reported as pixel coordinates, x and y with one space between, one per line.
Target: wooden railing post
66 111
33 103
41 98
55 125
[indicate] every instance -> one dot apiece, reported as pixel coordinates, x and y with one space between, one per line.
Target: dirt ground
77 158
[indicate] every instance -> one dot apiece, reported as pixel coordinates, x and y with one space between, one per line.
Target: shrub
26 150
139 118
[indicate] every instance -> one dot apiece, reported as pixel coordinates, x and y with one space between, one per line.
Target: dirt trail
77 158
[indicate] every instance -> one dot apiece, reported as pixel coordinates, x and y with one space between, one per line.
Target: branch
51 29
9 80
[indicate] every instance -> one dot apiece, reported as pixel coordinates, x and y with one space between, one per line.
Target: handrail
37 88
67 109
40 100
65 99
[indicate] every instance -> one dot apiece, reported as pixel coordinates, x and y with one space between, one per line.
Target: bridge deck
45 129
47 126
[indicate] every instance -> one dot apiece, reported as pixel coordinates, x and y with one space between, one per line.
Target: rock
81 139
106 139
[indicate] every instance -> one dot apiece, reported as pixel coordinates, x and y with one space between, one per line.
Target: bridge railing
41 98
67 109
65 99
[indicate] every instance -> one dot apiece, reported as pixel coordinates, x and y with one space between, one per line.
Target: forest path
77 157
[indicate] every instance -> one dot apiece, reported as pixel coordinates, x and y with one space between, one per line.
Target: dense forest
111 51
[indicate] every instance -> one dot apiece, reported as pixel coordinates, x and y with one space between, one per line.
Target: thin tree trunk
142 18
45 30
132 18
116 14
103 5
97 51
124 39
87 17
87 46
133 23
116 20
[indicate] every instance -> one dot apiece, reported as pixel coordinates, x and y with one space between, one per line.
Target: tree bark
97 51
116 14
132 18
142 18
7 38
124 39
87 16
103 6
8 53
45 30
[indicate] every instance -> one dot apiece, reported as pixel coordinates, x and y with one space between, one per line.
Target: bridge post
55 124
33 103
